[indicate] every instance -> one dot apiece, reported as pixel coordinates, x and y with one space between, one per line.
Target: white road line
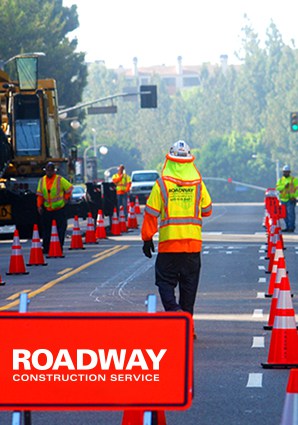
261 267
263 247
257 313
262 258
254 380
205 252
258 342
261 295
262 280
229 252
261 251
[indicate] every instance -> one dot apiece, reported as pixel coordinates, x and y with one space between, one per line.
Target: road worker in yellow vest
53 193
122 182
179 200
287 186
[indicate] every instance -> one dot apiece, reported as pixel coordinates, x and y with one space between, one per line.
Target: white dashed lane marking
255 380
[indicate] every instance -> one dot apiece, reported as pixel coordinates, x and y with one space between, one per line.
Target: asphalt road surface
230 385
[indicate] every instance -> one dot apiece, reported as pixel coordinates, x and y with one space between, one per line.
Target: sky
158 31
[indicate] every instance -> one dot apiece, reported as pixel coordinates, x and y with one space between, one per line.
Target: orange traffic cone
55 250
100 232
17 264
122 221
283 350
278 272
283 286
136 417
132 222
36 254
137 206
90 232
290 409
115 229
76 237
2 283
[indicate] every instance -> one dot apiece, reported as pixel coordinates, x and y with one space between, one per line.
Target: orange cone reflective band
283 351
90 232
290 410
55 250
100 229
17 264
122 221
115 229
36 254
76 238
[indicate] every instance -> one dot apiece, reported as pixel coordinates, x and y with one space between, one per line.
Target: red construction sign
96 361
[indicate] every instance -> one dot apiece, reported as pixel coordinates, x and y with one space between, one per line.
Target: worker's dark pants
47 219
173 269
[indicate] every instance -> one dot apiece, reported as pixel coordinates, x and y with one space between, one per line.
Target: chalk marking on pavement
262 258
258 342
205 252
262 280
229 252
258 313
260 294
261 251
65 270
261 267
255 380
103 255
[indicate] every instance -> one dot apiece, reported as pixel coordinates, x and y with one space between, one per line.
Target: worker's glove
148 248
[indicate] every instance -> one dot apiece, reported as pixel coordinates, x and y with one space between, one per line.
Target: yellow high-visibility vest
179 202
54 199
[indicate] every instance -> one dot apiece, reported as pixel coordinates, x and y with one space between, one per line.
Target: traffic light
294 121
148 96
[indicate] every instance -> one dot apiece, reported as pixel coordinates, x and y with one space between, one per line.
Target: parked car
78 204
142 182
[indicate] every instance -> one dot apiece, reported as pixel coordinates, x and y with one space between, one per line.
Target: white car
142 182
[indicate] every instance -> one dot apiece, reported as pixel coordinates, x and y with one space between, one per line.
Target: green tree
43 26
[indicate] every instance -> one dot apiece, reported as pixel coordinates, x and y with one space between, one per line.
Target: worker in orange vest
122 182
53 193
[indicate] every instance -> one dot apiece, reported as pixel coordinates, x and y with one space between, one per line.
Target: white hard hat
180 149
286 168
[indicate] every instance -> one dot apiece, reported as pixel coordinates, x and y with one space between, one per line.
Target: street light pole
94 142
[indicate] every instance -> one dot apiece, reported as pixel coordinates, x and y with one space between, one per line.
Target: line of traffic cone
122 221
36 255
2 282
90 236
132 221
290 409
76 237
115 228
136 417
100 232
55 250
17 264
